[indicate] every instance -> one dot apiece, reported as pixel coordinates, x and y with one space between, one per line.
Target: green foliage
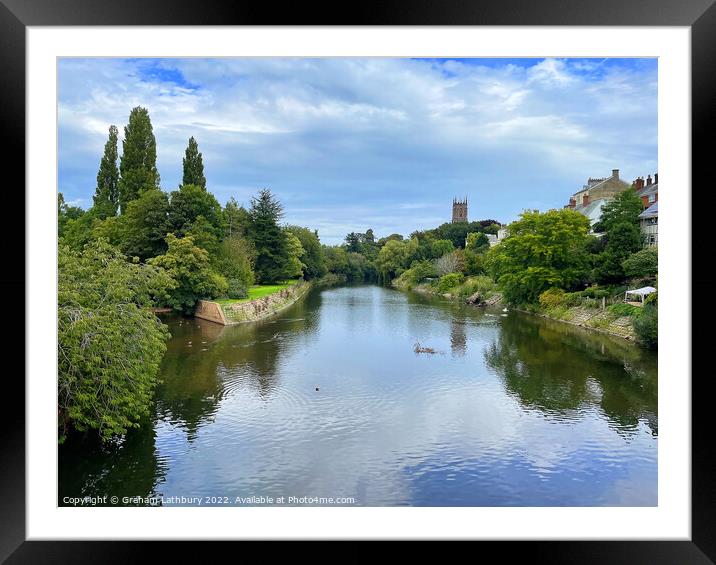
189 268
295 267
623 309
643 263
144 225
477 242
138 164
646 326
236 289
392 259
420 270
190 202
314 262
106 197
65 213
448 282
193 166
236 219
442 247
552 298
76 232
273 259
624 208
623 239
457 232
234 259
110 344
543 250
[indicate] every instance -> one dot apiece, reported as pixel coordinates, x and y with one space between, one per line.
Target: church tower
459 210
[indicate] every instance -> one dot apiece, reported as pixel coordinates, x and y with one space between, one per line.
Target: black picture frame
699 15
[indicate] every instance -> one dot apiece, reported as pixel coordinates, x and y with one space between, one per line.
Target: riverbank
265 305
230 313
478 292
595 319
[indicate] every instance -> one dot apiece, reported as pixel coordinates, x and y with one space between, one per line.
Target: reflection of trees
558 369
458 337
206 361
127 468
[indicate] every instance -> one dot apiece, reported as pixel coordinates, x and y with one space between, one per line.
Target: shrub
625 310
236 289
646 326
450 281
644 263
552 298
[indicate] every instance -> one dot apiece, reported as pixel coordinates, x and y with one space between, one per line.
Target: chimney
639 183
648 180
615 174
656 178
585 199
572 202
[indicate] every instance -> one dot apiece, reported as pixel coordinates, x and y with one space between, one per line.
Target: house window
652 198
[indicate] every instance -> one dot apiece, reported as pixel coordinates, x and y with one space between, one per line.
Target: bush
450 281
644 263
646 326
110 344
552 298
625 310
236 289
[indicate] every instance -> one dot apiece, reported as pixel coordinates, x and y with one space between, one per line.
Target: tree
138 164
477 242
441 247
193 165
643 263
313 259
624 208
353 242
65 213
190 202
236 218
106 197
189 268
646 326
295 266
234 260
269 240
543 250
448 263
145 224
392 259
623 239
110 344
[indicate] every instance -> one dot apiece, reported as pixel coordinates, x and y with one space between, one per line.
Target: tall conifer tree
138 165
106 197
193 165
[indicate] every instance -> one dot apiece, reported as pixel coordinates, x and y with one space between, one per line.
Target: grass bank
257 291
479 290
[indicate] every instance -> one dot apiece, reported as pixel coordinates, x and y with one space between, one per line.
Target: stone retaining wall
208 310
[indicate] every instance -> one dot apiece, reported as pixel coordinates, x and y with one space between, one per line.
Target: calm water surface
511 410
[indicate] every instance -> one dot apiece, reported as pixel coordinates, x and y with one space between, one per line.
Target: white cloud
392 134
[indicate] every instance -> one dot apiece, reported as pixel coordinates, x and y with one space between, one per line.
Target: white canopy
642 291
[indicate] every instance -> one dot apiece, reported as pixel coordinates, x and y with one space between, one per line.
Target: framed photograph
395 278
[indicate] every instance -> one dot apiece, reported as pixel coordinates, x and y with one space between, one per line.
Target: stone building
459 210
597 192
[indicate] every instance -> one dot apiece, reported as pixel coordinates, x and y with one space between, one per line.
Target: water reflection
511 410
559 369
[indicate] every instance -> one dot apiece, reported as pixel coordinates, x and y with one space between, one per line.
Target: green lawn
257 291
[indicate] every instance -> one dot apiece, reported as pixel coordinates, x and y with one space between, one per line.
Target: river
510 410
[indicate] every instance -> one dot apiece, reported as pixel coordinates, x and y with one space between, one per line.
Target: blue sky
352 144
